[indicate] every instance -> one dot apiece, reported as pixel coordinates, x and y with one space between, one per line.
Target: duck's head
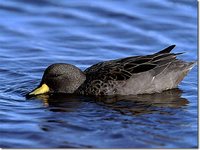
59 78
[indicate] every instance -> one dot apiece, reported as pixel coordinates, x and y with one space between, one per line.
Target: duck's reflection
61 102
143 104
140 104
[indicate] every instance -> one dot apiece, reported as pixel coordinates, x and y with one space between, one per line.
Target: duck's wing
166 50
123 69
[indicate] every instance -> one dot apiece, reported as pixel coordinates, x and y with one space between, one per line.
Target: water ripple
35 34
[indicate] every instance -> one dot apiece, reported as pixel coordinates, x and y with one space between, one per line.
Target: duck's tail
184 70
190 65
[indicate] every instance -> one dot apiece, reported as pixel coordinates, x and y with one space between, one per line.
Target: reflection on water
144 104
155 111
130 104
61 102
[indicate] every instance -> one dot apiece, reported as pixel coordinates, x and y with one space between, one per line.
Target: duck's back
135 75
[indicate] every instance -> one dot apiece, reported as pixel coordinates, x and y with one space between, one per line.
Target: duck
133 75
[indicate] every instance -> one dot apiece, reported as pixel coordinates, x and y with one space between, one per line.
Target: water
35 34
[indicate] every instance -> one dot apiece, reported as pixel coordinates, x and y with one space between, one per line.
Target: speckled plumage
135 75
132 75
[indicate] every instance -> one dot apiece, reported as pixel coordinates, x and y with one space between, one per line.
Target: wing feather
123 69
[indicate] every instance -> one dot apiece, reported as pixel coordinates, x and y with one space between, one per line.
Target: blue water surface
37 33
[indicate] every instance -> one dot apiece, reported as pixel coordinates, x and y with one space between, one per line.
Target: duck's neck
76 79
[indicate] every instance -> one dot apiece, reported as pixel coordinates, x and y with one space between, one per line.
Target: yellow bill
41 90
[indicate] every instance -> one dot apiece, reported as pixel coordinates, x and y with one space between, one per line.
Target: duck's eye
54 75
